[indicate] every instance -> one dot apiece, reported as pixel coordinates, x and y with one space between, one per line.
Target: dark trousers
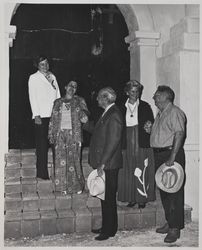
109 207
173 203
41 139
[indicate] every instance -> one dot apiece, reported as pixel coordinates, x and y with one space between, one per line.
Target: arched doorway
142 37
68 34
142 40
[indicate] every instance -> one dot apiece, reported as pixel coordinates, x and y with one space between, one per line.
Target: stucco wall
168 73
164 17
189 101
179 68
189 92
192 193
181 71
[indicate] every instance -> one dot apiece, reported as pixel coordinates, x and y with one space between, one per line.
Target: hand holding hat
170 178
96 184
100 170
170 161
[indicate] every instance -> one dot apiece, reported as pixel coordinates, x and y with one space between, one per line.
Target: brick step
33 184
22 164
28 185
28 156
32 207
48 222
48 201
14 173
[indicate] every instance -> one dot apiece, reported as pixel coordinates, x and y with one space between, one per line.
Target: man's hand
148 127
100 170
84 119
37 120
170 161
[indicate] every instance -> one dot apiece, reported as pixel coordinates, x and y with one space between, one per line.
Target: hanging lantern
97 31
96 50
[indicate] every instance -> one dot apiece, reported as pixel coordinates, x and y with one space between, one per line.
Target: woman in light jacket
43 90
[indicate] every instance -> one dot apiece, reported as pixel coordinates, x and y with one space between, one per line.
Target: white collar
108 107
136 103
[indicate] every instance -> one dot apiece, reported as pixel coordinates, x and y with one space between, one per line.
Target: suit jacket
105 146
144 114
42 94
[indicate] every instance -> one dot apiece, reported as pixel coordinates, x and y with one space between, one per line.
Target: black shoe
131 204
173 235
102 237
163 230
96 231
141 205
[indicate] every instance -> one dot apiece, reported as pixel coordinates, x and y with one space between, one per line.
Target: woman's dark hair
39 59
166 89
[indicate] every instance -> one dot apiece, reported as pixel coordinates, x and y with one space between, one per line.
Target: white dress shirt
42 94
131 113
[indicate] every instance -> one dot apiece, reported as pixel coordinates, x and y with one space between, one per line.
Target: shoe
141 205
173 235
131 204
96 231
102 237
163 230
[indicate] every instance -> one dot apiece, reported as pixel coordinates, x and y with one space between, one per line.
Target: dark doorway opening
86 44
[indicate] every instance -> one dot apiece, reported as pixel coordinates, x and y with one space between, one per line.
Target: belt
158 150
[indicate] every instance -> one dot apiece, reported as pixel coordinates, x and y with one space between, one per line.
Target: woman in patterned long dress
136 178
65 132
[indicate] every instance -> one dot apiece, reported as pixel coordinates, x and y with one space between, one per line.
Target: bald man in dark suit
106 155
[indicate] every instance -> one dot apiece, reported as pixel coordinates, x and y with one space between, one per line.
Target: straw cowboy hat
96 184
170 178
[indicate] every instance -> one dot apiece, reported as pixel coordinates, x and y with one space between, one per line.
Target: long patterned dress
67 172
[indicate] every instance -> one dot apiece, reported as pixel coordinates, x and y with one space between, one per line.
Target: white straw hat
96 184
170 178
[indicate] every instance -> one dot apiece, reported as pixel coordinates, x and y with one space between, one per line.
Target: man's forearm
177 143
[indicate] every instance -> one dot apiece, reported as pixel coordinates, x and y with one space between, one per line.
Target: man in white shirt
43 90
